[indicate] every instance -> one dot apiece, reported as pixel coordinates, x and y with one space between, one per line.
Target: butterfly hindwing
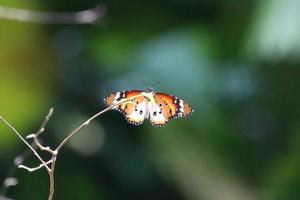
159 114
137 111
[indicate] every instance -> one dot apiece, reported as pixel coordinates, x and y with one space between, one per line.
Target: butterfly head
150 88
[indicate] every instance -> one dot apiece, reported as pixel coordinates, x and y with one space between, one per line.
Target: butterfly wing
135 111
159 114
167 107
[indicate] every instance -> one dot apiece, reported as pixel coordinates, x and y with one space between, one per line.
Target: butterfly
159 108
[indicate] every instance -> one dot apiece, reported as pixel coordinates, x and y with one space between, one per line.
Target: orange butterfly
159 108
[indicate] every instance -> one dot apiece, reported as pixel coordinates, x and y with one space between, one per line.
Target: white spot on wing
135 116
118 94
181 106
159 118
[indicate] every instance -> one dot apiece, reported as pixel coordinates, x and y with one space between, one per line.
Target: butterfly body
159 108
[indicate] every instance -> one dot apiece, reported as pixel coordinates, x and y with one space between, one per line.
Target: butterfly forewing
115 98
176 107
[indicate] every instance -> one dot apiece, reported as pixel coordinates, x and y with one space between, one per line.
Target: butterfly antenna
157 82
145 83
149 87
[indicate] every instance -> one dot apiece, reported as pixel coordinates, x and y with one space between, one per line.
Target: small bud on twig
30 136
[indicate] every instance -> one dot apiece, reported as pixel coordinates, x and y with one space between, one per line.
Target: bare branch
32 169
38 144
22 157
54 153
52 178
27 144
45 122
43 148
40 131
89 16
57 150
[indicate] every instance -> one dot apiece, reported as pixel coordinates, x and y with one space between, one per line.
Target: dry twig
53 152
10 181
89 16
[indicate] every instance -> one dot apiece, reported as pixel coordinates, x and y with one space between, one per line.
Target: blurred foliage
236 62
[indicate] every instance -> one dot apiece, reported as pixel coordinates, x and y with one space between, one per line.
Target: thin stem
51 178
89 120
32 169
56 151
59 147
89 16
27 144
41 147
45 122
40 131
80 127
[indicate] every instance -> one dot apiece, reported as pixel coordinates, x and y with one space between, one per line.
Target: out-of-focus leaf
274 32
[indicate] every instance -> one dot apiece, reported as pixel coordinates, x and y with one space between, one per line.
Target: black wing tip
105 100
190 113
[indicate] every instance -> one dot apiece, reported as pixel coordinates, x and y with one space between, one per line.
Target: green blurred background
235 62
